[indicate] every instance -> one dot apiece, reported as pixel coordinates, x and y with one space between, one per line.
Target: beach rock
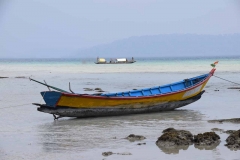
218 129
233 140
232 120
168 130
20 77
207 138
172 137
234 88
111 153
124 153
107 153
230 131
4 77
88 89
133 137
97 94
100 91
141 144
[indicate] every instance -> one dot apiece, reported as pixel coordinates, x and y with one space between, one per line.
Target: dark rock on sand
133 137
206 139
98 90
234 88
172 137
97 94
233 140
232 120
168 130
4 77
111 153
20 77
107 153
230 131
141 144
88 89
218 129
124 153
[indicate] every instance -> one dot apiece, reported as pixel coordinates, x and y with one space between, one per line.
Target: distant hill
169 45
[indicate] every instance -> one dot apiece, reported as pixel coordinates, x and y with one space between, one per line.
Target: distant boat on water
115 61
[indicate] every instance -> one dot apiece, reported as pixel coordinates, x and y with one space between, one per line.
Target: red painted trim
144 97
212 71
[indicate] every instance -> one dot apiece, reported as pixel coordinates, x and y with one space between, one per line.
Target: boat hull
115 111
90 101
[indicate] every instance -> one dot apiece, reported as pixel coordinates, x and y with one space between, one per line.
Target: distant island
169 45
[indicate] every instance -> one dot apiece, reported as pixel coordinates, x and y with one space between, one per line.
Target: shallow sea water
26 133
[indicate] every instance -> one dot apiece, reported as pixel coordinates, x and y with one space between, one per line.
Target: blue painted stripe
173 87
51 97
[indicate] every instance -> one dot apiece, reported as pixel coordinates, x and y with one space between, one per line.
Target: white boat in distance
115 61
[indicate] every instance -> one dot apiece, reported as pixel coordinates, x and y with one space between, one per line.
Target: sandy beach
130 80
28 134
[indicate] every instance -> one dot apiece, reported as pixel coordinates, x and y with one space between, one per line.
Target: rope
226 80
16 106
22 104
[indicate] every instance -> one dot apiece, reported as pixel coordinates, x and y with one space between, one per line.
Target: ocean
28 134
143 65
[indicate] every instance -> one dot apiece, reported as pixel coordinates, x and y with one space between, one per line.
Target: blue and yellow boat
62 103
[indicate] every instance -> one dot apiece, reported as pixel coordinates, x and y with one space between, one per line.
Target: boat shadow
177 115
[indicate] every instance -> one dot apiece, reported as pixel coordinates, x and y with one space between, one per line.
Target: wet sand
28 134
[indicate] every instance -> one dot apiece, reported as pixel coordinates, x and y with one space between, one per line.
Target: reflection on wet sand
207 147
173 149
176 149
87 133
178 115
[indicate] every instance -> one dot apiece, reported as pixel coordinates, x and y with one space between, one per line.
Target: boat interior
173 87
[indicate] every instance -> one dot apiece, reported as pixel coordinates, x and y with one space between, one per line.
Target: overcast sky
55 28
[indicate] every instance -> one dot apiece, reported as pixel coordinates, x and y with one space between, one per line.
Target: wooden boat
155 99
115 61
